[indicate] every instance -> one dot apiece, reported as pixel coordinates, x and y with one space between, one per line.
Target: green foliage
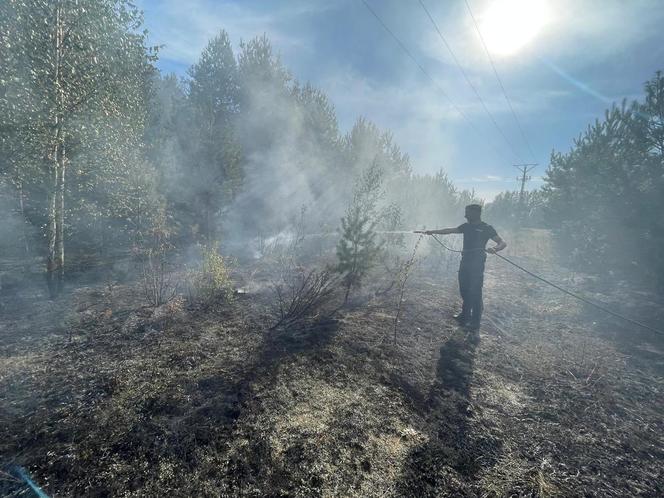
211 279
261 72
366 144
213 84
319 118
605 195
72 110
391 220
431 200
358 249
507 210
80 64
212 154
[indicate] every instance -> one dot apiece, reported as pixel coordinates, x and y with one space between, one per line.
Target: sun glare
509 25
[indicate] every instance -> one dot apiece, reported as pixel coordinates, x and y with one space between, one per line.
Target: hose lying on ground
568 292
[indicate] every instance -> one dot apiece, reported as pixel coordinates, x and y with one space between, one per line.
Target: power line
424 71
500 81
468 80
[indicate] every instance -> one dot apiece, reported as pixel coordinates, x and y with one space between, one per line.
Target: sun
509 25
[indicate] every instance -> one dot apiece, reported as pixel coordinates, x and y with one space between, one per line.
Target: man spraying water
476 234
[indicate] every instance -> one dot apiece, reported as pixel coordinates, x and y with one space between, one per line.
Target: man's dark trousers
471 280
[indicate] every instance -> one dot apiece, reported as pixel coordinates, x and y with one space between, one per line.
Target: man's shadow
450 443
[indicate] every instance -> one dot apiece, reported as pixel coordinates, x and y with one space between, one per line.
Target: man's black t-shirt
475 236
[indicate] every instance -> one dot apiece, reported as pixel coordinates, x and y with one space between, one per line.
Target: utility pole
524 169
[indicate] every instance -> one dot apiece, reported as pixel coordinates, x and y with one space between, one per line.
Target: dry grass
210 402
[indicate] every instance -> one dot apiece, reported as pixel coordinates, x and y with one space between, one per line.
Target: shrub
211 280
157 277
303 295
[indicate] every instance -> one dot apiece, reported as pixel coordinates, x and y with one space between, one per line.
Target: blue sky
587 54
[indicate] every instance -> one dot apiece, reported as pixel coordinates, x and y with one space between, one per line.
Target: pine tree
358 249
213 154
611 182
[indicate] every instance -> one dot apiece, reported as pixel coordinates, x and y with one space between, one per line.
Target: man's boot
462 317
475 319
473 326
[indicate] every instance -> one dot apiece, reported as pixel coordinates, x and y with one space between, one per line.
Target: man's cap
474 207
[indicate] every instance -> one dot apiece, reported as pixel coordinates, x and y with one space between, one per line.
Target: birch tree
75 82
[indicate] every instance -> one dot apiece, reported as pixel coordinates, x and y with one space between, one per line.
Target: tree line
98 149
99 152
603 198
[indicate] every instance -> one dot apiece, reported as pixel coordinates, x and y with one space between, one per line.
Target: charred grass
114 399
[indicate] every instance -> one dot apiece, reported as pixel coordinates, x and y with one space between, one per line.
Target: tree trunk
348 286
51 234
55 252
26 242
60 220
139 220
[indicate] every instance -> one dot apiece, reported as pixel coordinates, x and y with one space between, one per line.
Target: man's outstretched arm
500 245
442 231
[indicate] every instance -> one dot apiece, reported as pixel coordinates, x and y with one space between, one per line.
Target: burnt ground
100 396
